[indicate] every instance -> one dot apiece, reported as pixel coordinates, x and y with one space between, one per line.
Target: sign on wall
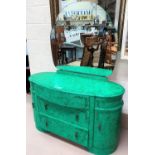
64 3
83 11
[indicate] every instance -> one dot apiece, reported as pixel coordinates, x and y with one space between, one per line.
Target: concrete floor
39 143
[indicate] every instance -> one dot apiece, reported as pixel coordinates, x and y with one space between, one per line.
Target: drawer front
79 117
110 102
65 130
61 98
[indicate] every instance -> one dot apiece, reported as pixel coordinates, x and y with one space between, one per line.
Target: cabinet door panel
106 127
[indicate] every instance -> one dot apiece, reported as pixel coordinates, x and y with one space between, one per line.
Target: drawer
110 102
65 130
77 116
62 98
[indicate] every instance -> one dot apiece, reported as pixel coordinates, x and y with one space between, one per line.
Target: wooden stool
91 44
65 48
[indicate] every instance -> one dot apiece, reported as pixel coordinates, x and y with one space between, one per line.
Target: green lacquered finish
88 71
86 111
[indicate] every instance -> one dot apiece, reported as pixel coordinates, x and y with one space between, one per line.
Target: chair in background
108 50
60 39
102 52
111 50
91 44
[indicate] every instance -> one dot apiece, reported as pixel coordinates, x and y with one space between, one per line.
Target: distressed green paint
86 111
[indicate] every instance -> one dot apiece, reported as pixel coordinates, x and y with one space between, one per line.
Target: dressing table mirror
84 34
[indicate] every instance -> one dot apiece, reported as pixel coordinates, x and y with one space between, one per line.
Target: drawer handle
99 127
46 124
46 106
78 97
33 105
76 135
77 117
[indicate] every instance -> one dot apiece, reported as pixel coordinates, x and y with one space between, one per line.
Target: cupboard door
107 127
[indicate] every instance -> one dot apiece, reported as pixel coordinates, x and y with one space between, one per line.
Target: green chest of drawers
79 104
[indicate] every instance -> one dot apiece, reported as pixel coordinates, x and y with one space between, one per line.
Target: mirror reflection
84 35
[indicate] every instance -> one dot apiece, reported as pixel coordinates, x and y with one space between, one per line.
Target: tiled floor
39 143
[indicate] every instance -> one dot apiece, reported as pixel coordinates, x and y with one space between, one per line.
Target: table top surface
77 85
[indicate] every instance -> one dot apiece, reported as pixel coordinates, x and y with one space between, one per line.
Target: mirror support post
54 10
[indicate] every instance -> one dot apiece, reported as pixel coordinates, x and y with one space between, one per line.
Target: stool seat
68 47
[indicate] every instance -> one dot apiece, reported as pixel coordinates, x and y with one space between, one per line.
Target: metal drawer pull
77 117
46 124
33 105
99 127
76 135
46 106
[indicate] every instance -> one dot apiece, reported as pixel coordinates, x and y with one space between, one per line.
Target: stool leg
62 56
75 54
72 56
66 61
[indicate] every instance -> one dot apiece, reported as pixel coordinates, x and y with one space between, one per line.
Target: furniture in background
102 52
107 48
60 49
107 51
60 38
91 44
72 50
111 50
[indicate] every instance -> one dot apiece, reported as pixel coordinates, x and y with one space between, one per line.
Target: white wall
120 75
38 22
